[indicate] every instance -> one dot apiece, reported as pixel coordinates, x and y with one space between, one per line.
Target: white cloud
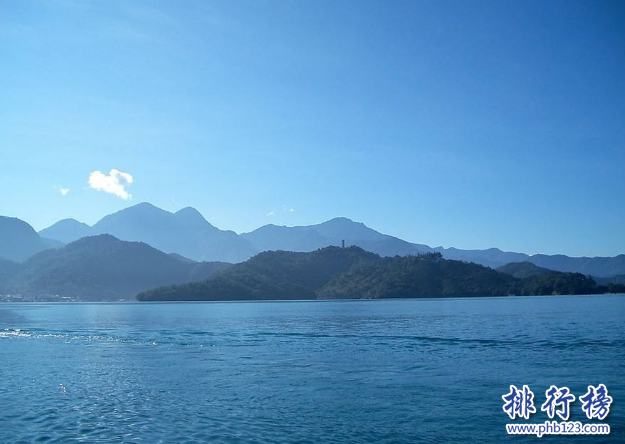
291 210
62 191
115 183
271 213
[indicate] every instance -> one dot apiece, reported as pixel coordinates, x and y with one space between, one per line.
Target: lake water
318 372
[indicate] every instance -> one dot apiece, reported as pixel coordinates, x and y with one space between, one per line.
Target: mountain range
184 232
99 268
187 233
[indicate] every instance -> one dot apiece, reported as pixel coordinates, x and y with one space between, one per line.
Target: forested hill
335 272
98 268
522 270
269 275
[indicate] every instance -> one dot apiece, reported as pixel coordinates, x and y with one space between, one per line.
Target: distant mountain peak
18 240
190 214
188 210
95 239
272 226
341 219
344 223
14 221
141 213
69 222
144 207
185 232
66 230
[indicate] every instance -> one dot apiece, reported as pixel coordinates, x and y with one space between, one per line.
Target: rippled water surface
350 371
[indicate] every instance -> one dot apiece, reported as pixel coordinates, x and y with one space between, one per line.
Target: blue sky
457 123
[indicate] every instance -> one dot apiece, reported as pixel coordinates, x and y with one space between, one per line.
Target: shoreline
273 301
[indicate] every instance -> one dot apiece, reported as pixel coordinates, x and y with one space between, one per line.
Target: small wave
9 333
96 337
470 342
14 333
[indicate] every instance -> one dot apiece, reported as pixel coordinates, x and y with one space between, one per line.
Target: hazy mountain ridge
490 257
184 232
18 240
307 238
333 232
188 234
100 268
594 266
